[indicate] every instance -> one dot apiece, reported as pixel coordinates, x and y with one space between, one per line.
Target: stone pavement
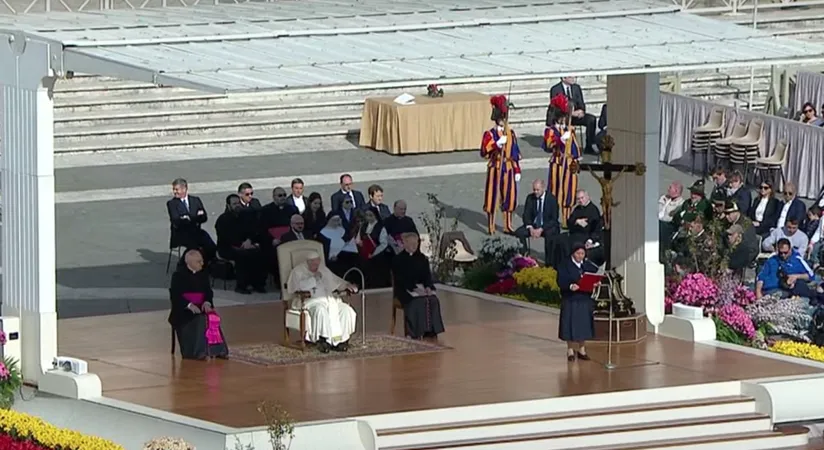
112 227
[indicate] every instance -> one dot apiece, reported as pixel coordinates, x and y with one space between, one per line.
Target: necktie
186 203
567 91
539 219
352 196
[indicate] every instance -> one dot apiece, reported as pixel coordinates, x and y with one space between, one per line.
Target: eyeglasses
765 188
280 195
807 111
788 193
784 253
248 194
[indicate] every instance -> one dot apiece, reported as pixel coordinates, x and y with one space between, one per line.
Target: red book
588 281
367 247
278 232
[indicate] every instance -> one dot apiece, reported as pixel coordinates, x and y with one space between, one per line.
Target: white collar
579 264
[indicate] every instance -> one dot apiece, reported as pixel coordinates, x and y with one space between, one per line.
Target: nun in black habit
577 324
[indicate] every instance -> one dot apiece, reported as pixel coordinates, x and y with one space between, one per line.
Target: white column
634 113
27 164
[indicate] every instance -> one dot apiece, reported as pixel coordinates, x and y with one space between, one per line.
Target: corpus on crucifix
611 173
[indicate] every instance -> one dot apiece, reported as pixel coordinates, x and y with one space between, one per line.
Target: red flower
9 443
504 286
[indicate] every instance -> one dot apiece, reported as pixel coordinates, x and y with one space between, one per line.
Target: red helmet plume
560 103
499 102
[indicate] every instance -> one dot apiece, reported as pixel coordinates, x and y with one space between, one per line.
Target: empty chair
721 147
767 167
746 150
705 136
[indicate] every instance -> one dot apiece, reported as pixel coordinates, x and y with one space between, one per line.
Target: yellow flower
520 297
799 350
537 278
36 429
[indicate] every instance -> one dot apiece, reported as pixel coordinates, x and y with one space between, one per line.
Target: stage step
104 114
698 424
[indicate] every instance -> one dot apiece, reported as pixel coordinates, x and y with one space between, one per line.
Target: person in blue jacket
785 272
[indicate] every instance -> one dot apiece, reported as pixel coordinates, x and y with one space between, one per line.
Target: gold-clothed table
455 121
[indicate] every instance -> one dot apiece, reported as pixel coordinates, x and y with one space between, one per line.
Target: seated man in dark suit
578 106
187 215
276 216
346 191
540 220
376 201
295 232
586 226
740 193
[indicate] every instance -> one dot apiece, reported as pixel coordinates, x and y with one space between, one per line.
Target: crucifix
608 168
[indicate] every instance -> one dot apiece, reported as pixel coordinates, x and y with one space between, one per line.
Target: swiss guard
499 146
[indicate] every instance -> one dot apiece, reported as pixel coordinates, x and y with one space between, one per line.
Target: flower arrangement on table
501 271
25 432
781 325
434 91
11 380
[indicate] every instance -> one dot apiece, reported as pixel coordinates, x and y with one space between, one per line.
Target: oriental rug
377 345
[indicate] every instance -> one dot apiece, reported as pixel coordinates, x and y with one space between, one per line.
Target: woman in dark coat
765 210
576 324
193 316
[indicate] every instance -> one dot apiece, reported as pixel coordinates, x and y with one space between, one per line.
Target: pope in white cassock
331 321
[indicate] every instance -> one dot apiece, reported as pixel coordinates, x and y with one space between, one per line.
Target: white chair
764 167
290 255
704 137
746 150
721 147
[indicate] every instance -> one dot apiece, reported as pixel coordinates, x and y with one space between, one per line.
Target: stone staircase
705 417
94 114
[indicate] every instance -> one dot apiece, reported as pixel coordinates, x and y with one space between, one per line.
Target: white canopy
313 43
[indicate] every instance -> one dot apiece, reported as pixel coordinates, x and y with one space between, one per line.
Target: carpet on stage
377 345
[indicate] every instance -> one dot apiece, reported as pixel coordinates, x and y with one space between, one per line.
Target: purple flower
737 318
3 338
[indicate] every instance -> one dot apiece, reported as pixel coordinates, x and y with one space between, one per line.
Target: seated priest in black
576 324
540 221
397 224
276 216
314 218
585 227
240 242
414 288
296 227
578 107
187 214
373 242
193 316
347 190
376 201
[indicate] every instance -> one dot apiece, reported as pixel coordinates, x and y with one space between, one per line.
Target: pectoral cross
607 181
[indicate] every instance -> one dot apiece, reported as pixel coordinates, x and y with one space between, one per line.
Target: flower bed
781 325
21 431
501 271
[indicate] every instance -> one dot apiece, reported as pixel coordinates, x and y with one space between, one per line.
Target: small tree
279 424
437 224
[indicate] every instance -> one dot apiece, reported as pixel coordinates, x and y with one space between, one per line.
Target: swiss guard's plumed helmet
558 108
500 107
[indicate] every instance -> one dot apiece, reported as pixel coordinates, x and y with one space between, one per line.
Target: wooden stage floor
500 353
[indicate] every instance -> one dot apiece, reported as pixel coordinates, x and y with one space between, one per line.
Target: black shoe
583 356
571 357
323 347
342 347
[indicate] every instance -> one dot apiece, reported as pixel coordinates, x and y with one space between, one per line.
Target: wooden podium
625 330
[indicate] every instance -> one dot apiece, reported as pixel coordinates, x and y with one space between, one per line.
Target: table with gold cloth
455 121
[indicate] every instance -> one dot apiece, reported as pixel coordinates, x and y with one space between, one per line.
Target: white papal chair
290 255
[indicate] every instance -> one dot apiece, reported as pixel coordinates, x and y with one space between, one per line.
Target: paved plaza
112 227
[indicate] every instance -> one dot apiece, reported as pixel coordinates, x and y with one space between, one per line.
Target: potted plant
11 380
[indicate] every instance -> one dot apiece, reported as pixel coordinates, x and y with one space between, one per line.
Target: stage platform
499 353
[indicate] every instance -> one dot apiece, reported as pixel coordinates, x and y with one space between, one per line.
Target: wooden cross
607 203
